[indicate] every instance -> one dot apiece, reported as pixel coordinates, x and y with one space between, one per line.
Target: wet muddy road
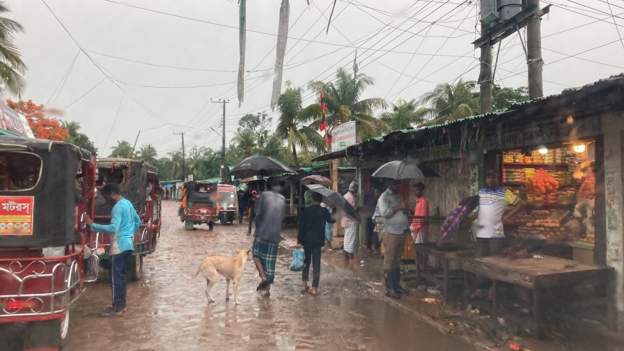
168 310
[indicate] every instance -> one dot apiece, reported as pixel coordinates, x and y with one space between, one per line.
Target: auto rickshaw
46 189
227 205
199 204
140 185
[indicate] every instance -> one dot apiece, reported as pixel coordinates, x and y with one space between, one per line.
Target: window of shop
558 185
19 171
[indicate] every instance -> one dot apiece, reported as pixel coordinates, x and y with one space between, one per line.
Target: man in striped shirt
494 200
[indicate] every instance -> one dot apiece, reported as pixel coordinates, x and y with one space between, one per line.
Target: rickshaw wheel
136 267
188 225
210 226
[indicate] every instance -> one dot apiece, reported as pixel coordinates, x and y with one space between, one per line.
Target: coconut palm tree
11 65
404 115
449 102
344 103
293 121
148 154
122 149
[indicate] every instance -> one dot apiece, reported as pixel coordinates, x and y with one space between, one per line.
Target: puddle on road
169 310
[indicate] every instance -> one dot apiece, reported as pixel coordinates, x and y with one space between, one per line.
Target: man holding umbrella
396 222
395 225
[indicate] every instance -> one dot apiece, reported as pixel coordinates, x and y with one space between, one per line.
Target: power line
571 56
174 67
89 91
110 131
578 12
617 29
57 91
422 67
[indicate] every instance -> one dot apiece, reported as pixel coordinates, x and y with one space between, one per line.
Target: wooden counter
539 275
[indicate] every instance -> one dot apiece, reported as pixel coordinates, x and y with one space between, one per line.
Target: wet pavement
169 310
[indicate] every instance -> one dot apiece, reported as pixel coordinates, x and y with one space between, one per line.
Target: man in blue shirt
124 223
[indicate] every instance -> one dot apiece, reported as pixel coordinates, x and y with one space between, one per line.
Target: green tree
245 141
449 102
344 103
203 163
503 98
11 65
259 123
404 115
165 168
292 125
122 149
76 137
148 154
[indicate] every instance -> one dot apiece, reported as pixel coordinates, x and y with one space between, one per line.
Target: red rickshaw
227 203
46 189
199 204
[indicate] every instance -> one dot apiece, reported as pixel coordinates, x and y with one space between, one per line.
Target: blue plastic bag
298 258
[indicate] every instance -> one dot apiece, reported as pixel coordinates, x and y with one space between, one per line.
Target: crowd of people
384 215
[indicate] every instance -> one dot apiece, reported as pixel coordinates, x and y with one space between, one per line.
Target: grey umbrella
333 199
399 170
260 165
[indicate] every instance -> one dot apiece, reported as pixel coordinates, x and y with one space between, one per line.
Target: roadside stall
561 155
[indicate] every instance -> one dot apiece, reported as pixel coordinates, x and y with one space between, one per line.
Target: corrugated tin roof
618 79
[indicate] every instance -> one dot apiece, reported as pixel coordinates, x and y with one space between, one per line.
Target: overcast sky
171 57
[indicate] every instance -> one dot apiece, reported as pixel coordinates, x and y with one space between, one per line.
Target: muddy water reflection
169 311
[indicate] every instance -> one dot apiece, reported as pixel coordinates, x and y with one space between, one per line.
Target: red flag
323 106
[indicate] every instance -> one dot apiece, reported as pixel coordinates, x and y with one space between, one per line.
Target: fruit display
543 183
546 179
541 225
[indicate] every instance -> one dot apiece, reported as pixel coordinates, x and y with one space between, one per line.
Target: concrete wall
613 131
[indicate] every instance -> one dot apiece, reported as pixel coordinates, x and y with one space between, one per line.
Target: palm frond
11 78
368 105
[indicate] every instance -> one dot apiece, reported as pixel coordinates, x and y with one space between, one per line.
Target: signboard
344 136
16 215
14 122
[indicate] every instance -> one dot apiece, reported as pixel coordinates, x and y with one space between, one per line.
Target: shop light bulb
543 150
579 148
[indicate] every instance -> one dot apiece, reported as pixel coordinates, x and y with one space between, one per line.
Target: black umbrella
259 165
333 199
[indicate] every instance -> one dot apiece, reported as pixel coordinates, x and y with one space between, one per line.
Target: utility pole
136 140
534 52
485 75
499 22
222 170
183 157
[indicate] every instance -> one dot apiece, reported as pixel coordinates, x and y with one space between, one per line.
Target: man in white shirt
395 226
494 200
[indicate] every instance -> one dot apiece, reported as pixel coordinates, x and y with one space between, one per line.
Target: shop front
558 185
562 156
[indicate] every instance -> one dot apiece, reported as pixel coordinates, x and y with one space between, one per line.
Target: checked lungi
266 253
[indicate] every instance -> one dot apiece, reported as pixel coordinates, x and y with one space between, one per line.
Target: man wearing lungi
270 210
